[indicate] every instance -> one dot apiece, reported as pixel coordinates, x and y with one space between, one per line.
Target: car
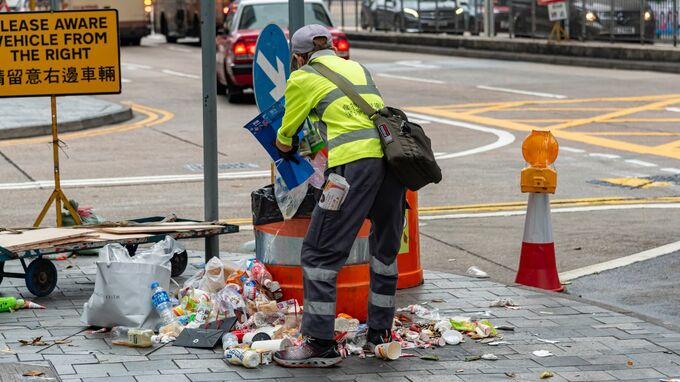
236 41
450 16
591 22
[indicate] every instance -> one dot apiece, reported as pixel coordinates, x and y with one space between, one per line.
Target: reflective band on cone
537 267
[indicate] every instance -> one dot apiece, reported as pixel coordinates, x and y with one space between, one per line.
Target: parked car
596 19
236 41
451 16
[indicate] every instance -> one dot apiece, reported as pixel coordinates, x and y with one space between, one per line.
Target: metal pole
55 157
420 24
567 21
296 16
612 18
488 18
342 13
436 16
356 15
402 20
584 37
511 20
674 29
54 5
533 18
210 186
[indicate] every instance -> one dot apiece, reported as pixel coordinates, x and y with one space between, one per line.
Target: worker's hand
288 152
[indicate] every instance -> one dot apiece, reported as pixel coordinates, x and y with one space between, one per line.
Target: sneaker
377 337
311 353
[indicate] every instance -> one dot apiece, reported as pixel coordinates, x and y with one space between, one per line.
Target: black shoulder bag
408 151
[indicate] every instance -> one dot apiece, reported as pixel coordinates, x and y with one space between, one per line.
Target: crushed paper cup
452 337
389 351
542 353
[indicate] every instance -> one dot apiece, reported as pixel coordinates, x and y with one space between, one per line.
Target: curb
118 116
597 56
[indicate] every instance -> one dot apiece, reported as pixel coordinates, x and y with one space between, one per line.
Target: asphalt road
617 131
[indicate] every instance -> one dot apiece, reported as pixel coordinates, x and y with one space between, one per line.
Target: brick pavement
595 344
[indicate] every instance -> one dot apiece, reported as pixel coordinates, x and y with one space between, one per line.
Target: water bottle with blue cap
161 301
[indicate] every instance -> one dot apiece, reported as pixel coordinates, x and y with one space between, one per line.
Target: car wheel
221 88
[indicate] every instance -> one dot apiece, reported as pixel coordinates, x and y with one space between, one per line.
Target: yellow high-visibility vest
349 134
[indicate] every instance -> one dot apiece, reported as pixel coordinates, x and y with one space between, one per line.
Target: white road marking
571 149
410 78
419 121
183 50
133 180
606 156
671 170
504 138
503 214
524 92
673 109
416 64
641 163
620 262
180 74
128 65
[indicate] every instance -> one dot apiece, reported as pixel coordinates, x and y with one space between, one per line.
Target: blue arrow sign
271 67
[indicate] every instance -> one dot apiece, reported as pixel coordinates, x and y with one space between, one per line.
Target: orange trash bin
279 246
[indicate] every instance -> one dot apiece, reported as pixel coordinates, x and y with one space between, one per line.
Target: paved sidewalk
32 116
595 344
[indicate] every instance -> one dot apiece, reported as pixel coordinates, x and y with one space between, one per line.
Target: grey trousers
376 194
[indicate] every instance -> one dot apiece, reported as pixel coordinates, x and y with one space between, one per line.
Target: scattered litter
452 337
629 363
33 373
546 375
507 328
542 353
669 380
37 341
502 303
437 300
473 358
510 374
547 341
8 350
408 355
429 357
10 304
476 272
489 357
546 312
62 342
497 343
451 259
460 371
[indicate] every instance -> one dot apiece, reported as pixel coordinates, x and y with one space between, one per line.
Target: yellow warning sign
59 53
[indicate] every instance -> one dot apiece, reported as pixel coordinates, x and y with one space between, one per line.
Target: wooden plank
158 228
40 236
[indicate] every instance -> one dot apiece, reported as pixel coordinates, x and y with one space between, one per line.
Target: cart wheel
41 277
178 263
2 269
131 248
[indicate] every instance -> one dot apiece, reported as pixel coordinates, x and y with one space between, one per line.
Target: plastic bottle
10 303
161 301
132 337
229 340
247 358
202 313
262 276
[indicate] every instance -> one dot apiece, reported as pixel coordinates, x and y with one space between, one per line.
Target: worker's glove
290 154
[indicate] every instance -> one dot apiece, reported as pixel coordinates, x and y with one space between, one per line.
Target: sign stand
557 33
58 195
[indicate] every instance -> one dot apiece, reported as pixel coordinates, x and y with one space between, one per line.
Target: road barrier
408 260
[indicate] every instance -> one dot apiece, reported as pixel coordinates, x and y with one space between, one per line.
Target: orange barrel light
279 245
408 260
540 151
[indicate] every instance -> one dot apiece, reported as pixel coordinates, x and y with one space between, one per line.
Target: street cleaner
355 167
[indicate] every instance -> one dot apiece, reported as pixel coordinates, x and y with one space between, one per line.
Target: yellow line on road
635 133
435 210
153 117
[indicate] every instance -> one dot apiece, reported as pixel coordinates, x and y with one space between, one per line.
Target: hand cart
41 274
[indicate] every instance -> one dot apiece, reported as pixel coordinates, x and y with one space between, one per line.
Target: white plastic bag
289 200
122 293
213 278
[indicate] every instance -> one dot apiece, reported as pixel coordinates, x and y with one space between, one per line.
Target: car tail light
244 50
342 47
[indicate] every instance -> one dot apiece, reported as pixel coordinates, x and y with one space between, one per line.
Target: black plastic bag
266 210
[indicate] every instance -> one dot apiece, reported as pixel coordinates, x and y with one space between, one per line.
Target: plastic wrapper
213 278
289 200
117 253
229 300
319 163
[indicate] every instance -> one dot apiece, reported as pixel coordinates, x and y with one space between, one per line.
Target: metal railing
642 21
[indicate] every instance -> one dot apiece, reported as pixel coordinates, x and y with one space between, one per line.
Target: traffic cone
537 266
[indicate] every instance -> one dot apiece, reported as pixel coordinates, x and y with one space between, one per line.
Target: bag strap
347 87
